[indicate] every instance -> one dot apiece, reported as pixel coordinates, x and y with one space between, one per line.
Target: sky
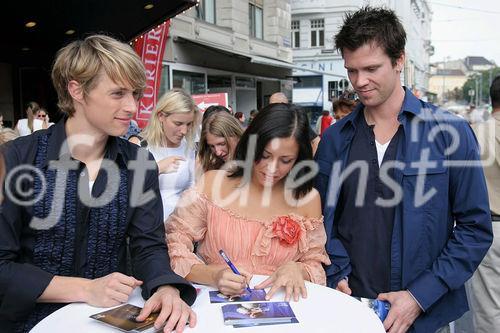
463 28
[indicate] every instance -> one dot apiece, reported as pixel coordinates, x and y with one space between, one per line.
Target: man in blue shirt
404 197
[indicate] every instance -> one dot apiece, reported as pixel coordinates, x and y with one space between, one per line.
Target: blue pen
230 264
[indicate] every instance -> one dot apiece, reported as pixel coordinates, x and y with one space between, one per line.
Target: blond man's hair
220 124
84 60
172 102
7 134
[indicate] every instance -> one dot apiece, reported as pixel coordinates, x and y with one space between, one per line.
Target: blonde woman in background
28 125
220 134
169 136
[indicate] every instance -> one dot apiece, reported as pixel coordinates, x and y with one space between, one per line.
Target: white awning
271 62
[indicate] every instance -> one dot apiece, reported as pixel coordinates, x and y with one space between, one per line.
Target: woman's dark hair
495 92
343 103
369 25
214 108
238 115
278 120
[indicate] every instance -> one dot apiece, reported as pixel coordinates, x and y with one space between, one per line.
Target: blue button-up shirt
442 225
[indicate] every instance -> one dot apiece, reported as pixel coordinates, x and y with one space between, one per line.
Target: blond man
92 198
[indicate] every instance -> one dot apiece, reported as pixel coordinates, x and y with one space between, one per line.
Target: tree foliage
470 84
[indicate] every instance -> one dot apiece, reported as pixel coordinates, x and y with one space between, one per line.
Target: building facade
448 76
323 77
445 83
240 47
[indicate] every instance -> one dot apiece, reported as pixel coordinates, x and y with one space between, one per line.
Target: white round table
324 310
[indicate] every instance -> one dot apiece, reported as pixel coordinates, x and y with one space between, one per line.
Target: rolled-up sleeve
315 255
148 247
185 226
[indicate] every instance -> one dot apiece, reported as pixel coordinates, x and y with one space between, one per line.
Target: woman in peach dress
263 213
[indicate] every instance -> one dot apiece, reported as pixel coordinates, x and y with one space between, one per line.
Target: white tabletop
324 310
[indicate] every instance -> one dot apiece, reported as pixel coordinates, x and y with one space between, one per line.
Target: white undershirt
381 148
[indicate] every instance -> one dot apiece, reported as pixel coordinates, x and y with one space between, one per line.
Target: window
245 82
337 88
216 82
295 34
317 32
193 83
206 10
307 82
256 18
165 80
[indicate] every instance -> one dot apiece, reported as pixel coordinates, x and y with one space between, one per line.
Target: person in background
241 118
28 125
324 121
1 121
485 296
214 108
61 245
211 109
262 222
169 136
220 134
314 138
43 115
133 133
399 231
135 139
253 113
342 107
278 97
473 115
7 134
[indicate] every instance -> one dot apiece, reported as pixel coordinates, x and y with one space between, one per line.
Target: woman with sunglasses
43 116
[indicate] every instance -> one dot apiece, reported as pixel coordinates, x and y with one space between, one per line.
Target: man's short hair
495 92
278 97
372 25
84 60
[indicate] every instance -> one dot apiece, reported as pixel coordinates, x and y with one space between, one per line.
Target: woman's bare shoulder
214 180
310 204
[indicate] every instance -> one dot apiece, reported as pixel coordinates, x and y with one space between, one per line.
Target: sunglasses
41 116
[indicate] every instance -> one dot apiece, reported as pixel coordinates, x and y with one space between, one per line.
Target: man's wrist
169 288
344 278
84 290
416 301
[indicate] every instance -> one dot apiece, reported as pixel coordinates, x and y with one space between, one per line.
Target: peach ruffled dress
250 243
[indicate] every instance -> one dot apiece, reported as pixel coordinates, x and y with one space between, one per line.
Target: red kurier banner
150 47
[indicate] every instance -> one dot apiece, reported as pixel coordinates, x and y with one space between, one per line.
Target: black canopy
26 54
124 19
